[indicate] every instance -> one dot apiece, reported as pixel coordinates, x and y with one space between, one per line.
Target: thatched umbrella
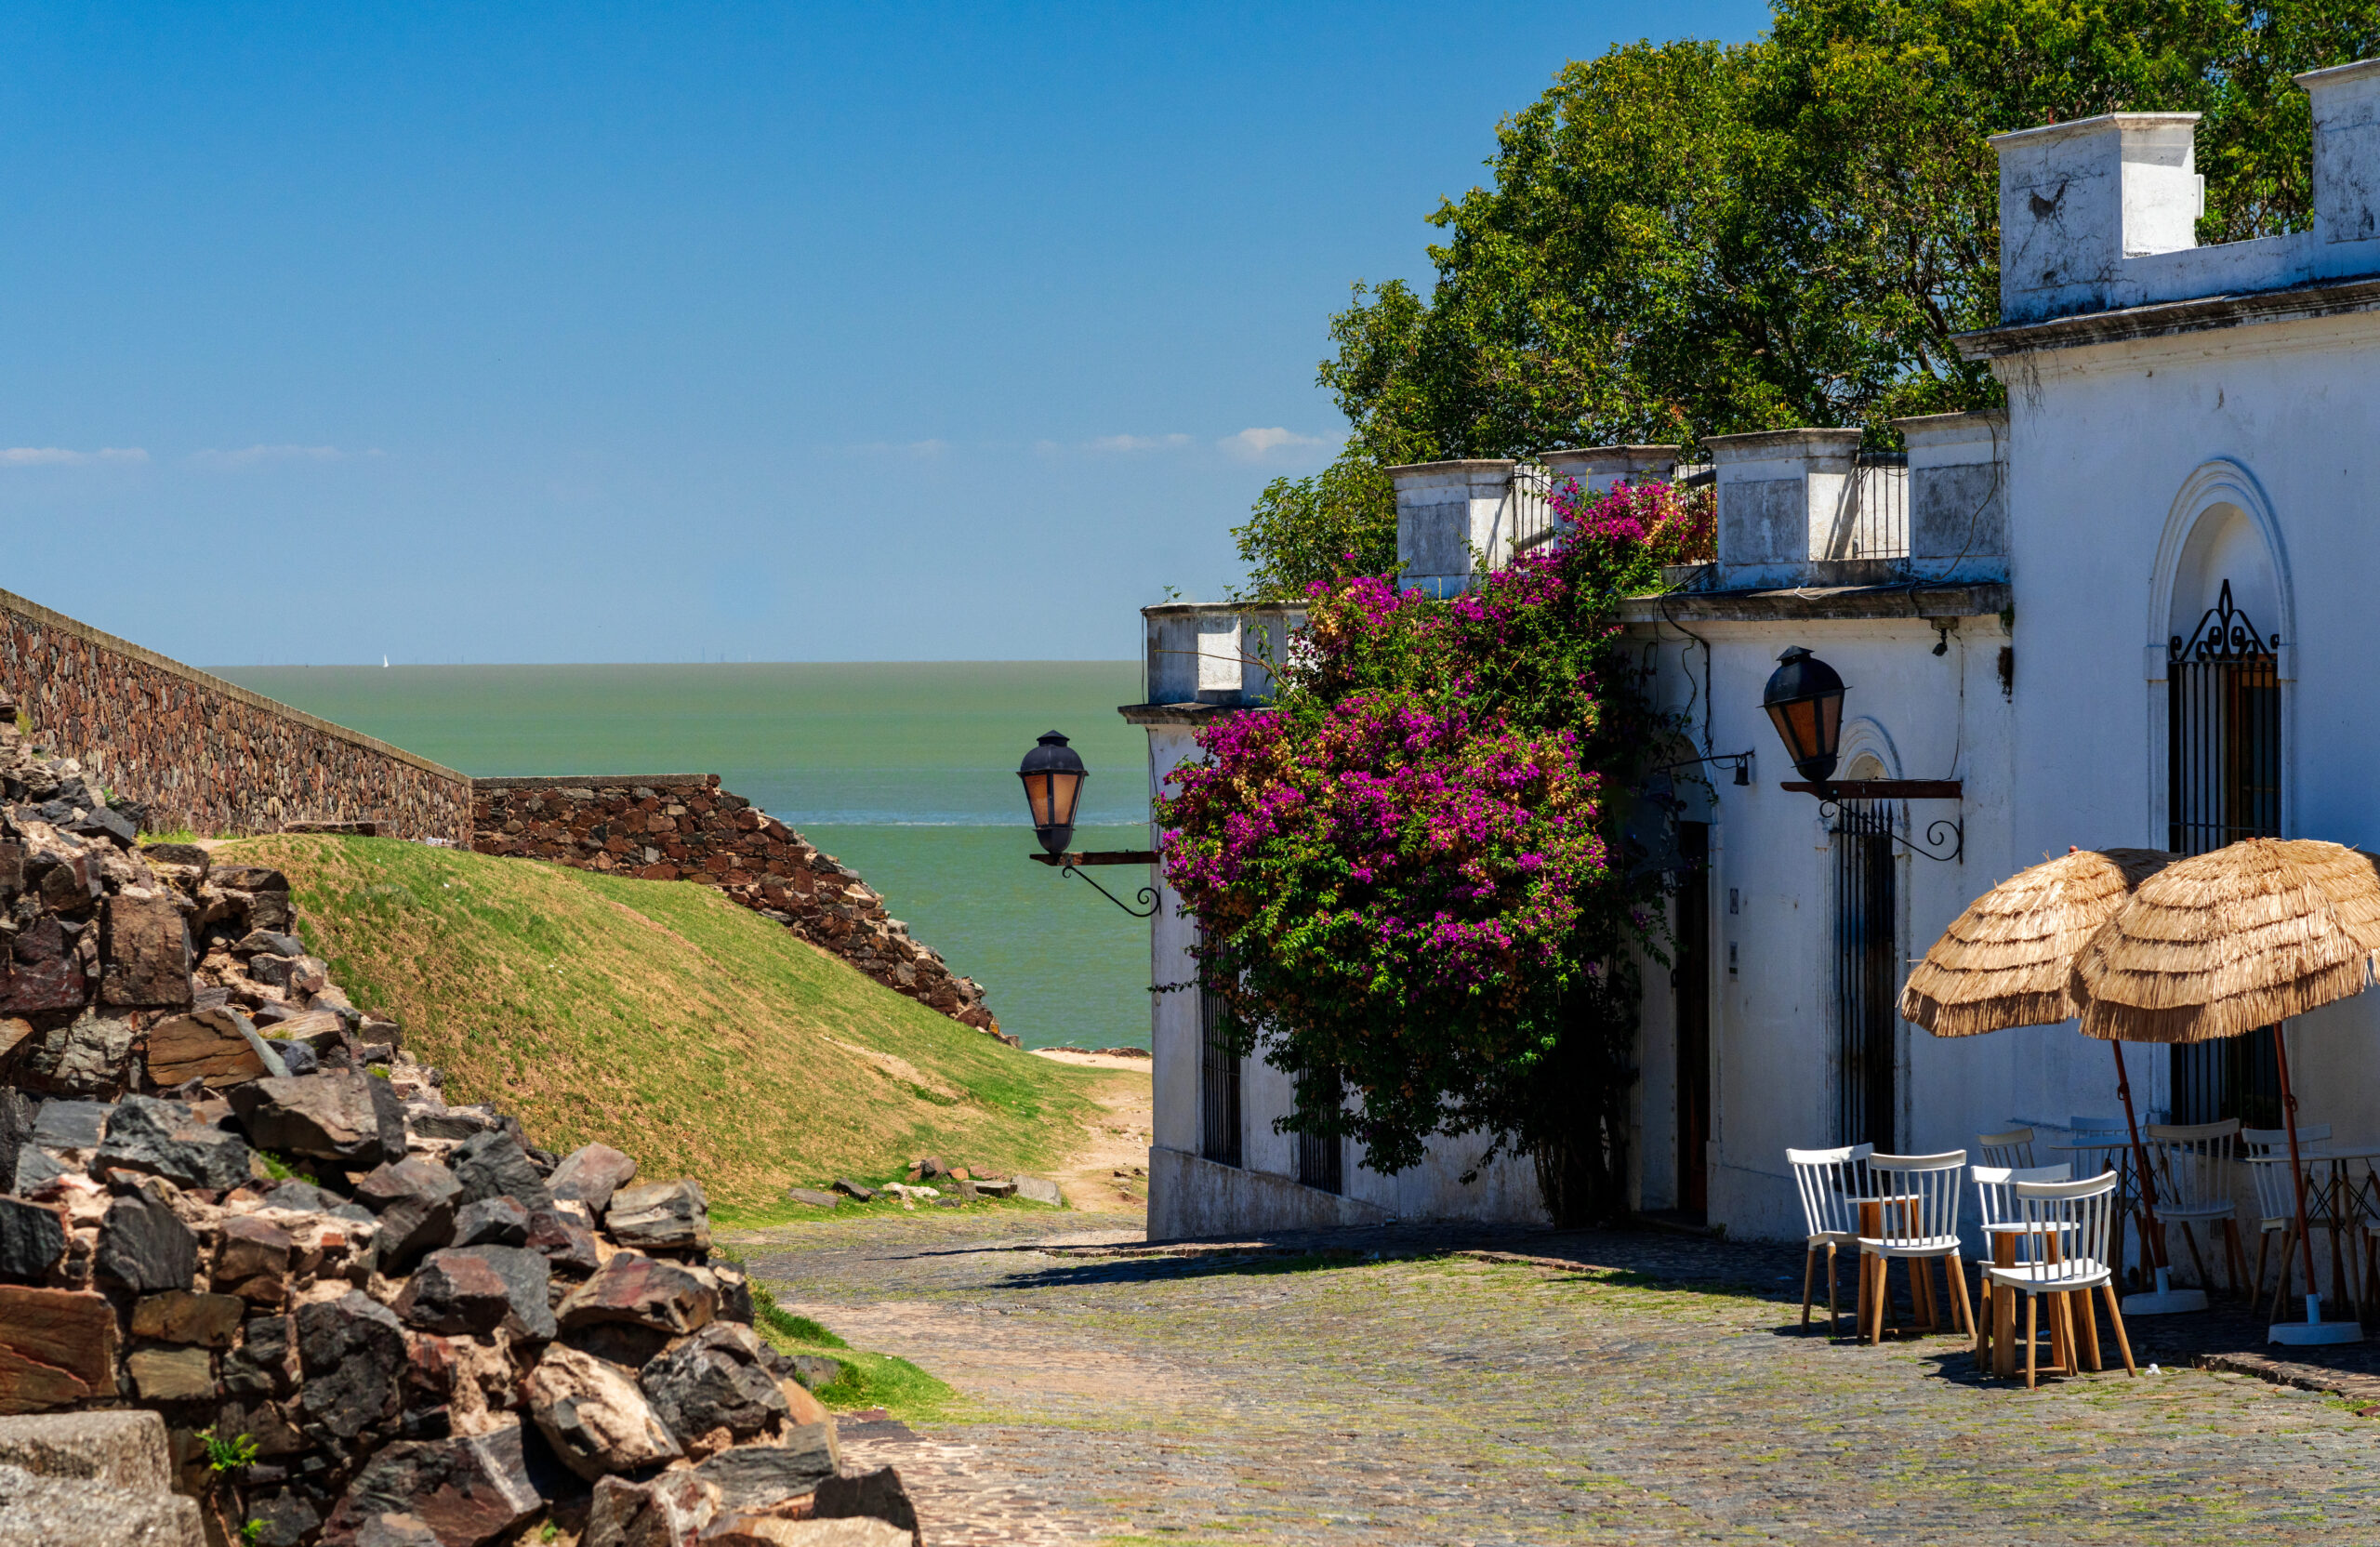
2008 961
2222 942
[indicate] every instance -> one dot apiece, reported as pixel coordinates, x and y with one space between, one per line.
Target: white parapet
1781 495
2077 199
1958 494
2347 150
1449 515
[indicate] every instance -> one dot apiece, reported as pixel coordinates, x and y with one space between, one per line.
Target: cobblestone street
1626 1388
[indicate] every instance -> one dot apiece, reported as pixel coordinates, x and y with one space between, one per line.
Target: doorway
1690 980
1867 973
2223 783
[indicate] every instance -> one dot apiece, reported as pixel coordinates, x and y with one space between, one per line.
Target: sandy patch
1118 1138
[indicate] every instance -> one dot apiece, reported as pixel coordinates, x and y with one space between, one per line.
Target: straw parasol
2008 961
2230 941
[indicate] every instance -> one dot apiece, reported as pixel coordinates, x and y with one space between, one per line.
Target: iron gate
1867 973
2223 783
1321 1158
1219 1083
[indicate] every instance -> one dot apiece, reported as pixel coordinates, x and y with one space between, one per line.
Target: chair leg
2288 1259
2066 1323
1955 1269
2235 1257
2196 1261
2264 1244
2115 1315
1833 1323
2088 1317
1809 1275
1872 1275
2032 1331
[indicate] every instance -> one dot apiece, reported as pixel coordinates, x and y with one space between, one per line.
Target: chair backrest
2013 1149
1993 1188
2066 1221
2276 1199
2193 1162
2312 1139
2096 1127
1832 1183
1920 1193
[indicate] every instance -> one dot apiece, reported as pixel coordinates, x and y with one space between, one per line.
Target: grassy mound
661 1018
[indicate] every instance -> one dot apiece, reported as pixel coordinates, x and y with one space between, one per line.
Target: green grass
867 1379
663 1019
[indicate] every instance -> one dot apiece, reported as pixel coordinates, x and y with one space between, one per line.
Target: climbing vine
1409 871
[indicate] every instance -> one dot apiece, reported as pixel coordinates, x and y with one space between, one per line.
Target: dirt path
1110 1174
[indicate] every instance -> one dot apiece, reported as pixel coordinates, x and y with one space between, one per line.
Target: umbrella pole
2313 1328
2152 1239
2297 1170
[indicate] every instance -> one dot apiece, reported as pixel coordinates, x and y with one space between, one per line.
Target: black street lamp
1054 773
1805 699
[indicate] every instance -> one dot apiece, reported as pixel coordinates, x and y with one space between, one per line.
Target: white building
2123 614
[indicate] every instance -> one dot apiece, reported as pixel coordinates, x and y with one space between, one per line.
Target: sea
904 771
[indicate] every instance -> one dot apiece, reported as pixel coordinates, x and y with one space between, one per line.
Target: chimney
1781 493
1444 511
2347 150
1958 494
2078 199
1596 469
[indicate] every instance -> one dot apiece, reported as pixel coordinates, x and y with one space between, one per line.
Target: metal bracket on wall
1942 830
1071 864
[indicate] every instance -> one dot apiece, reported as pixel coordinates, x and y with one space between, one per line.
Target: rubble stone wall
684 827
196 751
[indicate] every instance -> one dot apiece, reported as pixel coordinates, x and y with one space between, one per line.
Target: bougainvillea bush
1406 869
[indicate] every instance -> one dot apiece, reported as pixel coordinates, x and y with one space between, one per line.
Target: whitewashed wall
1772 891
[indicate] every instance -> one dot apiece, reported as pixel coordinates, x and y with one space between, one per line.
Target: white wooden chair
2064 1240
1832 1183
2312 1139
1996 1202
2332 1202
1917 1212
2009 1151
2194 1178
2276 1204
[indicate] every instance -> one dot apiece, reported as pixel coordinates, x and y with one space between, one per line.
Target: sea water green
905 771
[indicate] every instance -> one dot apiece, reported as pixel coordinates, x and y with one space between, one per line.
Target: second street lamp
1805 699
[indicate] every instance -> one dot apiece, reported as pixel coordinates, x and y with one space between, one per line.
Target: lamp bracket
1147 894
1741 760
1940 831
1103 856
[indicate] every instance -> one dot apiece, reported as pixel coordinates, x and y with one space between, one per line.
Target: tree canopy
1688 239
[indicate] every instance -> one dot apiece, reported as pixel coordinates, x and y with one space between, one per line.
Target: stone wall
684 827
196 751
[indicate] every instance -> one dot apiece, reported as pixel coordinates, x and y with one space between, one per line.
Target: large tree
1688 239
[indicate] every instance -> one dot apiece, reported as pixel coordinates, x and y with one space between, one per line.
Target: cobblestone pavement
1618 1388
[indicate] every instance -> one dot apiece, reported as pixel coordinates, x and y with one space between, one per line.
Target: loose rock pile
236 1200
699 832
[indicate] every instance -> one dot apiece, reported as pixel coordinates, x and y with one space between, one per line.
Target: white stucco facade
2179 419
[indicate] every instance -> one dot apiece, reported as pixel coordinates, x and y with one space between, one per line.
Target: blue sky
595 333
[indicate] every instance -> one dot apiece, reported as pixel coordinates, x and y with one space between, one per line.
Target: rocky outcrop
684 827
207 755
364 1314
